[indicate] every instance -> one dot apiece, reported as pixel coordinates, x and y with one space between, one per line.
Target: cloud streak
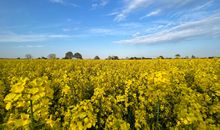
57 1
131 6
31 38
106 32
205 27
99 3
205 5
64 3
104 2
30 46
153 13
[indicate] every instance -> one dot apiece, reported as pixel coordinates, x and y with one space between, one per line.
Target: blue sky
124 28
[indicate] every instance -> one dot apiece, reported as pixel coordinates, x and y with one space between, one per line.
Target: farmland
110 94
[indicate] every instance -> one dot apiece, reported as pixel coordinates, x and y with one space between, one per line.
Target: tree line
77 55
68 55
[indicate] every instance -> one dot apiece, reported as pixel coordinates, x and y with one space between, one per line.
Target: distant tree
112 58
28 56
115 57
96 58
186 57
77 55
160 57
52 56
193 57
68 55
43 57
133 58
127 58
109 58
177 56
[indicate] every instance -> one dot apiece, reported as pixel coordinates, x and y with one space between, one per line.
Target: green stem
99 114
158 113
32 115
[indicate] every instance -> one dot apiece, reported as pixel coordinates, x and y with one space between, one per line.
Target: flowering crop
100 94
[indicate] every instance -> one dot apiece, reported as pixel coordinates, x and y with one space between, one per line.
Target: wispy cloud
153 13
70 29
208 27
65 3
136 34
73 5
156 12
34 46
205 5
57 1
106 32
131 25
94 5
104 2
30 38
99 3
131 6
100 30
30 46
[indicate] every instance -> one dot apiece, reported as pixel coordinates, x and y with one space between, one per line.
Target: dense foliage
99 94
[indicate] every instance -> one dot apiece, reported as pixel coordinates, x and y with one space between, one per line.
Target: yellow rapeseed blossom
108 94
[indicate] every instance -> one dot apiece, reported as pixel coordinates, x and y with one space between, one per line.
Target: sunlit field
110 94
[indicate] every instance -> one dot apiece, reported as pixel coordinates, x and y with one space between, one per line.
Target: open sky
124 28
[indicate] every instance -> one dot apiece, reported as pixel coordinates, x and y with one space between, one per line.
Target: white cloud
57 1
64 3
30 46
74 5
66 29
105 32
99 3
104 2
131 6
70 29
116 31
136 34
156 12
94 5
205 27
112 13
34 46
100 30
153 13
175 3
131 25
30 38
205 5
